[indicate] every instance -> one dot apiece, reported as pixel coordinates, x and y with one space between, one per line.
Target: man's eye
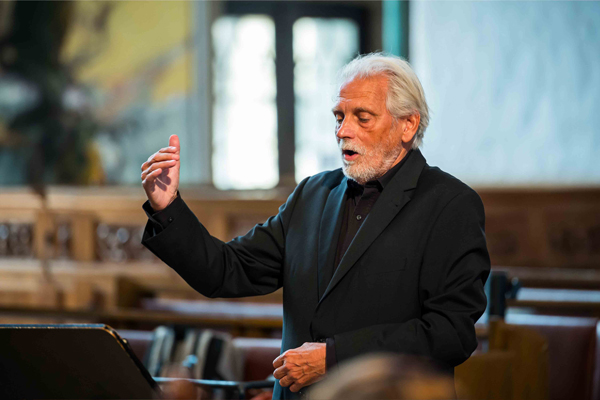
364 120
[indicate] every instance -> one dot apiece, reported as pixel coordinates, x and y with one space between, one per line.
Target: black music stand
78 361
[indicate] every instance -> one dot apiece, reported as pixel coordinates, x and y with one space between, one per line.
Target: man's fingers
280 372
159 157
278 362
296 386
149 178
169 149
300 383
174 142
161 165
157 166
146 174
286 381
306 380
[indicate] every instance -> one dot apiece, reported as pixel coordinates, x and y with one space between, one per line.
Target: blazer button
358 217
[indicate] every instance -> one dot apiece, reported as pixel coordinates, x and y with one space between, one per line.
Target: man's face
367 135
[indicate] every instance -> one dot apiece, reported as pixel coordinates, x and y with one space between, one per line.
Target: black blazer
410 282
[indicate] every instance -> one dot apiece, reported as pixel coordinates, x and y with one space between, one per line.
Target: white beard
372 163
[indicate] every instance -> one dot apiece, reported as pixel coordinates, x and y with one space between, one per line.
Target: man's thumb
174 141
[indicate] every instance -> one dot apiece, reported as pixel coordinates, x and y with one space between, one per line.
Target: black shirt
359 201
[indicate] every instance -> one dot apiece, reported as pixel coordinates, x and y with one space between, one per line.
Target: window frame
284 15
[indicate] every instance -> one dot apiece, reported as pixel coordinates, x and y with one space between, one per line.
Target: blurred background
89 90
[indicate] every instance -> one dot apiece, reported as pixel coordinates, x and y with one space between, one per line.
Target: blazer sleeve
453 272
249 265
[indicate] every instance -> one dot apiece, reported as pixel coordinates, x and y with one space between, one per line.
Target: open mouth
349 155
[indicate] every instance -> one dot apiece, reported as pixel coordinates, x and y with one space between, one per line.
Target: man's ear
410 127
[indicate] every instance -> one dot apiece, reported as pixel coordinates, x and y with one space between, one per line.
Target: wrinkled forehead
371 90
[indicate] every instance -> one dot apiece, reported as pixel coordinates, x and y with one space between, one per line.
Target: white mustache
348 146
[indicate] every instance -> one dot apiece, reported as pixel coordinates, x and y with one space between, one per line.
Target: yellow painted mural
140 43
135 60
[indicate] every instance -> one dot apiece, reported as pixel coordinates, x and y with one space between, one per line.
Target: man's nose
345 131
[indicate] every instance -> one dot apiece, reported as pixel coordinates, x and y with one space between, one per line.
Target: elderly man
384 254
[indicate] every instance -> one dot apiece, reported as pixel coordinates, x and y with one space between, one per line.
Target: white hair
405 94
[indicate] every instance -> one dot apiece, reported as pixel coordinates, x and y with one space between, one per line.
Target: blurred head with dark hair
386 376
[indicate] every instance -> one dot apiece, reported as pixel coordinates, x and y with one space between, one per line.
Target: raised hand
160 175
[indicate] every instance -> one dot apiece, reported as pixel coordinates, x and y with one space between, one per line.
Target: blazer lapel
329 233
390 202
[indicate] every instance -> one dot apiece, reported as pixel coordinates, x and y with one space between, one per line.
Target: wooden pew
514 368
486 376
573 353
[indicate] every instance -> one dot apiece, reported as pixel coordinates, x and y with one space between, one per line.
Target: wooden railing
91 237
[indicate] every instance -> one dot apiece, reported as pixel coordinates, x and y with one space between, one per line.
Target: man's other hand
160 175
301 367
